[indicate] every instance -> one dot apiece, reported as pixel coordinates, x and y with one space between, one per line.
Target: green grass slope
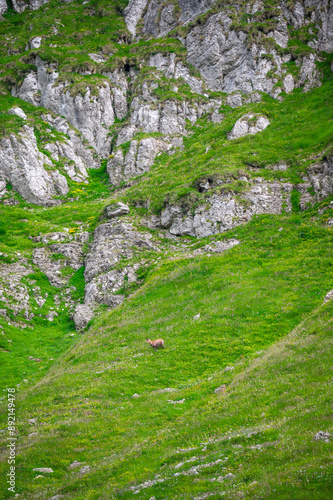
248 298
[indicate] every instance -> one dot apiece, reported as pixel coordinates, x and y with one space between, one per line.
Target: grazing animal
156 344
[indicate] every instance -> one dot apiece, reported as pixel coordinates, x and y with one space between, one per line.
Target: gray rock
18 112
160 17
70 255
288 83
230 476
75 464
116 210
321 178
222 388
222 246
35 42
22 5
196 317
223 212
3 7
22 165
309 75
135 396
85 470
235 100
280 34
172 69
112 242
133 13
44 470
126 134
56 497
328 297
167 389
83 314
98 58
103 289
249 124
91 115
322 436
138 160
13 292
73 148
3 185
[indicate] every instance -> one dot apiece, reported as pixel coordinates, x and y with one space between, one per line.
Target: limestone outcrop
249 124
53 259
22 165
223 212
318 184
91 114
112 242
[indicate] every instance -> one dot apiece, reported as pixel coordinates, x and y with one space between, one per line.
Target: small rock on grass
322 436
44 470
222 388
85 470
75 464
230 476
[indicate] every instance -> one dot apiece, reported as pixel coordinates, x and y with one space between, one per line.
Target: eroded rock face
162 16
22 5
116 210
173 69
14 294
90 114
150 116
319 180
22 165
138 160
223 212
74 149
3 7
225 60
113 242
54 259
133 13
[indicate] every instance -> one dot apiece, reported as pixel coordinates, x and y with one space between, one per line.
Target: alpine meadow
166 249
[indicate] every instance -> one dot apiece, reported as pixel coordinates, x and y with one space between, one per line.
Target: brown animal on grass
156 344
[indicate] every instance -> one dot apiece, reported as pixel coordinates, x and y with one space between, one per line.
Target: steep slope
171 161
111 398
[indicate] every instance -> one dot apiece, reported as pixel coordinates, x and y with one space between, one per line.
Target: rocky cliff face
133 101
92 115
230 51
22 165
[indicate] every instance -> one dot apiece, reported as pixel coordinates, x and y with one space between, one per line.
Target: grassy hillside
145 424
248 298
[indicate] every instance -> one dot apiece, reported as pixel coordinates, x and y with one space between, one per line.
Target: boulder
18 112
249 124
82 315
116 210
